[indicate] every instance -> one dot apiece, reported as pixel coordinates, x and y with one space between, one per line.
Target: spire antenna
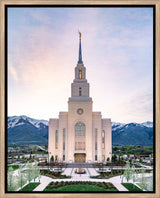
79 35
80 50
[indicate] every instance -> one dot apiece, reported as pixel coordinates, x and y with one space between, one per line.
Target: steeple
80 86
80 50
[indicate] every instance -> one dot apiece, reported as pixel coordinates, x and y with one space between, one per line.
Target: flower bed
79 186
53 175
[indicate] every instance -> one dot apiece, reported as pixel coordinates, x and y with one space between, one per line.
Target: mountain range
25 130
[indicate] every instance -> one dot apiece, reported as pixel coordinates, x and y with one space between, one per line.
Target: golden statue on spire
79 35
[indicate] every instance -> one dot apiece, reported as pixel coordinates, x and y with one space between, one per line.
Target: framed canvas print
80 99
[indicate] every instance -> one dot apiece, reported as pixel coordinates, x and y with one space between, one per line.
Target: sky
117 51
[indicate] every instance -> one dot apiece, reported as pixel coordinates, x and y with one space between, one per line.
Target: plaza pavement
116 181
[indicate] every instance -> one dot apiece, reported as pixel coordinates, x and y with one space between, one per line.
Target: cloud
116 50
138 105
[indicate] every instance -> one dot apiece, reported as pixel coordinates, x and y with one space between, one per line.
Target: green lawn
30 186
131 187
77 188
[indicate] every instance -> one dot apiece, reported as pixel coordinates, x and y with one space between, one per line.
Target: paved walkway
44 181
116 181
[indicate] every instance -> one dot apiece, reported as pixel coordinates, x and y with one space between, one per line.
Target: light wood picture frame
3 101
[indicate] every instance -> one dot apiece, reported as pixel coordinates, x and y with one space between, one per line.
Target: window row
56 139
103 158
103 139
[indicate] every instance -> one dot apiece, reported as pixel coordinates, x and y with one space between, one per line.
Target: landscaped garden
76 186
53 175
17 179
107 175
30 186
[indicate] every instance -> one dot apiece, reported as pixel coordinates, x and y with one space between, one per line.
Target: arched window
79 129
80 91
80 74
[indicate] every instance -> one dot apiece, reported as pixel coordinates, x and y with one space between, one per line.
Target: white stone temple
80 135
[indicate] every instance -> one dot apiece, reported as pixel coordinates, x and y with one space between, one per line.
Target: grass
77 186
131 187
15 166
30 186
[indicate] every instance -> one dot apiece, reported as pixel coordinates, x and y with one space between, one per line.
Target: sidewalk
46 180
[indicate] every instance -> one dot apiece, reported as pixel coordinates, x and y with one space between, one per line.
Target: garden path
116 181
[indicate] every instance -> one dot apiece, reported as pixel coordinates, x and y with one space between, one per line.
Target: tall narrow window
64 135
56 139
80 74
96 139
103 158
103 136
56 157
80 91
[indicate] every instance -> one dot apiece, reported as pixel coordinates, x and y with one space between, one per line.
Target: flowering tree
10 178
143 180
127 172
21 177
36 171
150 182
29 172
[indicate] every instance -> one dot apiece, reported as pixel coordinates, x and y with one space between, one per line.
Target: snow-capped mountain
132 134
25 130
148 124
14 121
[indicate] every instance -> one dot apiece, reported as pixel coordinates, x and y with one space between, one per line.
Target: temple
80 135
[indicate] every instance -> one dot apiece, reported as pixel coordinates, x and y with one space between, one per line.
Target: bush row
53 175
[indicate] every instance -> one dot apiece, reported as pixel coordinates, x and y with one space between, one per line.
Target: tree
114 158
130 161
127 172
143 180
21 177
10 178
29 172
140 160
150 182
12 158
108 159
52 159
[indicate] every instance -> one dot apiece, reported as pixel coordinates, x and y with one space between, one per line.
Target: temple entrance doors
80 158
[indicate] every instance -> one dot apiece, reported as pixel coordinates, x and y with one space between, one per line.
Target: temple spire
80 50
